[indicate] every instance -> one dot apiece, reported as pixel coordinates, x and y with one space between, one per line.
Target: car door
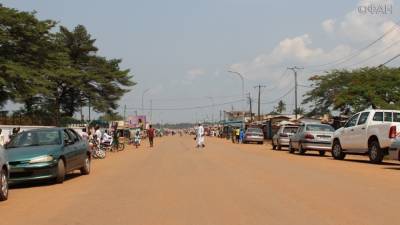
359 135
68 150
76 156
80 148
347 135
296 137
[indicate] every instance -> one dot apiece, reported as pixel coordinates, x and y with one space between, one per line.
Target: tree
281 107
24 47
299 111
111 116
356 90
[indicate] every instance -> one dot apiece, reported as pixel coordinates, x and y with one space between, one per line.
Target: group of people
11 135
237 135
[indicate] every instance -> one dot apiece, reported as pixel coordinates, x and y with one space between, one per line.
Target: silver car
314 137
4 175
282 137
254 134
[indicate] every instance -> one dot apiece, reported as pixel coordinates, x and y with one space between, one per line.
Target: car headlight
42 159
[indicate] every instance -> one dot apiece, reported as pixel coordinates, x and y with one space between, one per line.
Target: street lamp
144 92
241 78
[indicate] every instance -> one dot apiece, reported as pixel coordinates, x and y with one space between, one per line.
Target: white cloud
194 73
328 25
354 30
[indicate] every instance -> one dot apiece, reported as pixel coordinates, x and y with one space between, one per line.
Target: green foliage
55 73
356 90
281 107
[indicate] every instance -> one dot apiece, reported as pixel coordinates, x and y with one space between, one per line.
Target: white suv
369 132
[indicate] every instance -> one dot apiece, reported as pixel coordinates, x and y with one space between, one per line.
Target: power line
383 64
280 98
186 108
355 52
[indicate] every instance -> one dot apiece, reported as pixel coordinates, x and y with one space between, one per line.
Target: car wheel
3 185
322 153
291 149
337 151
60 171
302 151
375 152
85 170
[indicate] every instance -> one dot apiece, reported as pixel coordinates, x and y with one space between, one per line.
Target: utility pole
251 109
259 99
151 110
295 69
124 113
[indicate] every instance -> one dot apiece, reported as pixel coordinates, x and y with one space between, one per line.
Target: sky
181 50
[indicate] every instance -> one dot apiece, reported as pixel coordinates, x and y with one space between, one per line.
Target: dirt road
175 184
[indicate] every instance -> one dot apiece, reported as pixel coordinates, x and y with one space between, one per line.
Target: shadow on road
366 161
42 183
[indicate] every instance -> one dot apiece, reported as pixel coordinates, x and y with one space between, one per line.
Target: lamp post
242 79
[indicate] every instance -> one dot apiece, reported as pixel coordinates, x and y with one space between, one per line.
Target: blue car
47 153
3 175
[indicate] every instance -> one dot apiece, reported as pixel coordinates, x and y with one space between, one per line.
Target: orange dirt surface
223 184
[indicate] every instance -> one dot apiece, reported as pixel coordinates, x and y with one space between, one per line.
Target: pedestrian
97 134
241 136
233 134
84 134
150 135
237 134
200 136
2 138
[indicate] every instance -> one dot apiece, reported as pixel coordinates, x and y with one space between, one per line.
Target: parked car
254 134
370 132
4 175
312 137
282 137
47 153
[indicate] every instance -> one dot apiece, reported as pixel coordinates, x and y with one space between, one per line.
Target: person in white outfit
200 136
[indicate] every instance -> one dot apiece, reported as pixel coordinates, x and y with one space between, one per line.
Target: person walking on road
150 135
237 134
241 136
200 136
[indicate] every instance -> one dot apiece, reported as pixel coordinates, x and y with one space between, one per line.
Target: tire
60 171
337 151
301 150
261 143
291 149
322 153
85 170
375 152
3 185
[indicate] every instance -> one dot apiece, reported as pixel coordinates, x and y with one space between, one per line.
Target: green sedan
47 153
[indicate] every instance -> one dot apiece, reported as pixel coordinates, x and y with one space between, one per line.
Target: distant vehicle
312 137
4 175
47 153
370 132
253 134
282 137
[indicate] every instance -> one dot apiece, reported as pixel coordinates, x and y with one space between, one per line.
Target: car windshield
35 138
319 127
288 130
254 130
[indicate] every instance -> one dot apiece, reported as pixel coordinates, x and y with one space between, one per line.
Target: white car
370 132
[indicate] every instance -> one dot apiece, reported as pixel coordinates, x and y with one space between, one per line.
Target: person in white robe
200 136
